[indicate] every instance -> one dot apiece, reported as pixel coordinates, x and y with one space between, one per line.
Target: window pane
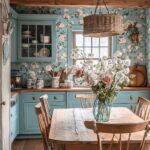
104 41
95 41
87 41
87 50
95 52
104 52
79 40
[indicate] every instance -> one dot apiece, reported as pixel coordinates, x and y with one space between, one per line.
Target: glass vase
101 111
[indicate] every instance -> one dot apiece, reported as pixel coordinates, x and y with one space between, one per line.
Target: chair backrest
45 107
42 125
142 108
118 130
86 100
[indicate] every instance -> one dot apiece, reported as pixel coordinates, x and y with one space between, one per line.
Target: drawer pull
33 98
55 98
131 97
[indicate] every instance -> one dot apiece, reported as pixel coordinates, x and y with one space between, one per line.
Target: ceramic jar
55 82
39 83
31 83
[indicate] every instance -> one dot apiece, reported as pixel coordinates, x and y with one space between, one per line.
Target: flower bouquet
106 77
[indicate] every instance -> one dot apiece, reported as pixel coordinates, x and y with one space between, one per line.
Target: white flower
118 54
35 65
138 25
140 57
62 37
24 65
66 10
66 16
61 25
48 68
32 74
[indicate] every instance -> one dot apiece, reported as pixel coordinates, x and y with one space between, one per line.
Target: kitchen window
99 47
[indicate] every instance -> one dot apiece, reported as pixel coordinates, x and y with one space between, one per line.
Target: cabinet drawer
52 96
127 97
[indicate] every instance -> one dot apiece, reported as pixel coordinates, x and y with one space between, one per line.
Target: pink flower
62 37
122 40
35 65
107 79
48 68
32 74
81 21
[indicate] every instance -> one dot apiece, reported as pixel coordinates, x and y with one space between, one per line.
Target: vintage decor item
101 25
55 82
138 76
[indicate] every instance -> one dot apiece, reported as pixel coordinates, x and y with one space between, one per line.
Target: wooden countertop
74 89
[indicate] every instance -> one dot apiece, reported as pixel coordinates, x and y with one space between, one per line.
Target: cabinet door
28 118
28 122
36 40
14 118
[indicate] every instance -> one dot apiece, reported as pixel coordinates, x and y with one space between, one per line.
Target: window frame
81 32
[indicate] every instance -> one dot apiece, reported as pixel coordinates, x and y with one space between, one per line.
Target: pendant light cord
97 4
106 6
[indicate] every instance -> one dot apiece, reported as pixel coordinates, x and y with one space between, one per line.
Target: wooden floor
28 145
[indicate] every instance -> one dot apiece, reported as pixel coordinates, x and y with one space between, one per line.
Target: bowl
25 45
34 41
44 39
27 32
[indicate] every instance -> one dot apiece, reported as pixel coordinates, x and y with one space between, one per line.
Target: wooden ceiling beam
83 3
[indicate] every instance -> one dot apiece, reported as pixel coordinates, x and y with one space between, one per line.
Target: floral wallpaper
69 17
148 42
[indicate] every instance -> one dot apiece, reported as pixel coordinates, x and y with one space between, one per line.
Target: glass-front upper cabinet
37 39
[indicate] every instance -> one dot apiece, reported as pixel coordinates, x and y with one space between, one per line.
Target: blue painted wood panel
28 118
14 119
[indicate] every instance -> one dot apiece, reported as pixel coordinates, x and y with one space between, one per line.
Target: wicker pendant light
102 25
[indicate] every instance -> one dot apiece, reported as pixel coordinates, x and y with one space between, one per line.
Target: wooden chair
45 107
142 108
86 100
42 125
118 129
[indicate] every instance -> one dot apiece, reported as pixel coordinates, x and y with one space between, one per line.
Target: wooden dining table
68 131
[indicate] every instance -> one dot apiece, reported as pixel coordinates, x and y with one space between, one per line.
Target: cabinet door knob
55 98
33 97
3 103
131 97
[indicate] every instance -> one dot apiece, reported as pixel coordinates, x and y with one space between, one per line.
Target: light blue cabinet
28 119
14 118
33 38
124 98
